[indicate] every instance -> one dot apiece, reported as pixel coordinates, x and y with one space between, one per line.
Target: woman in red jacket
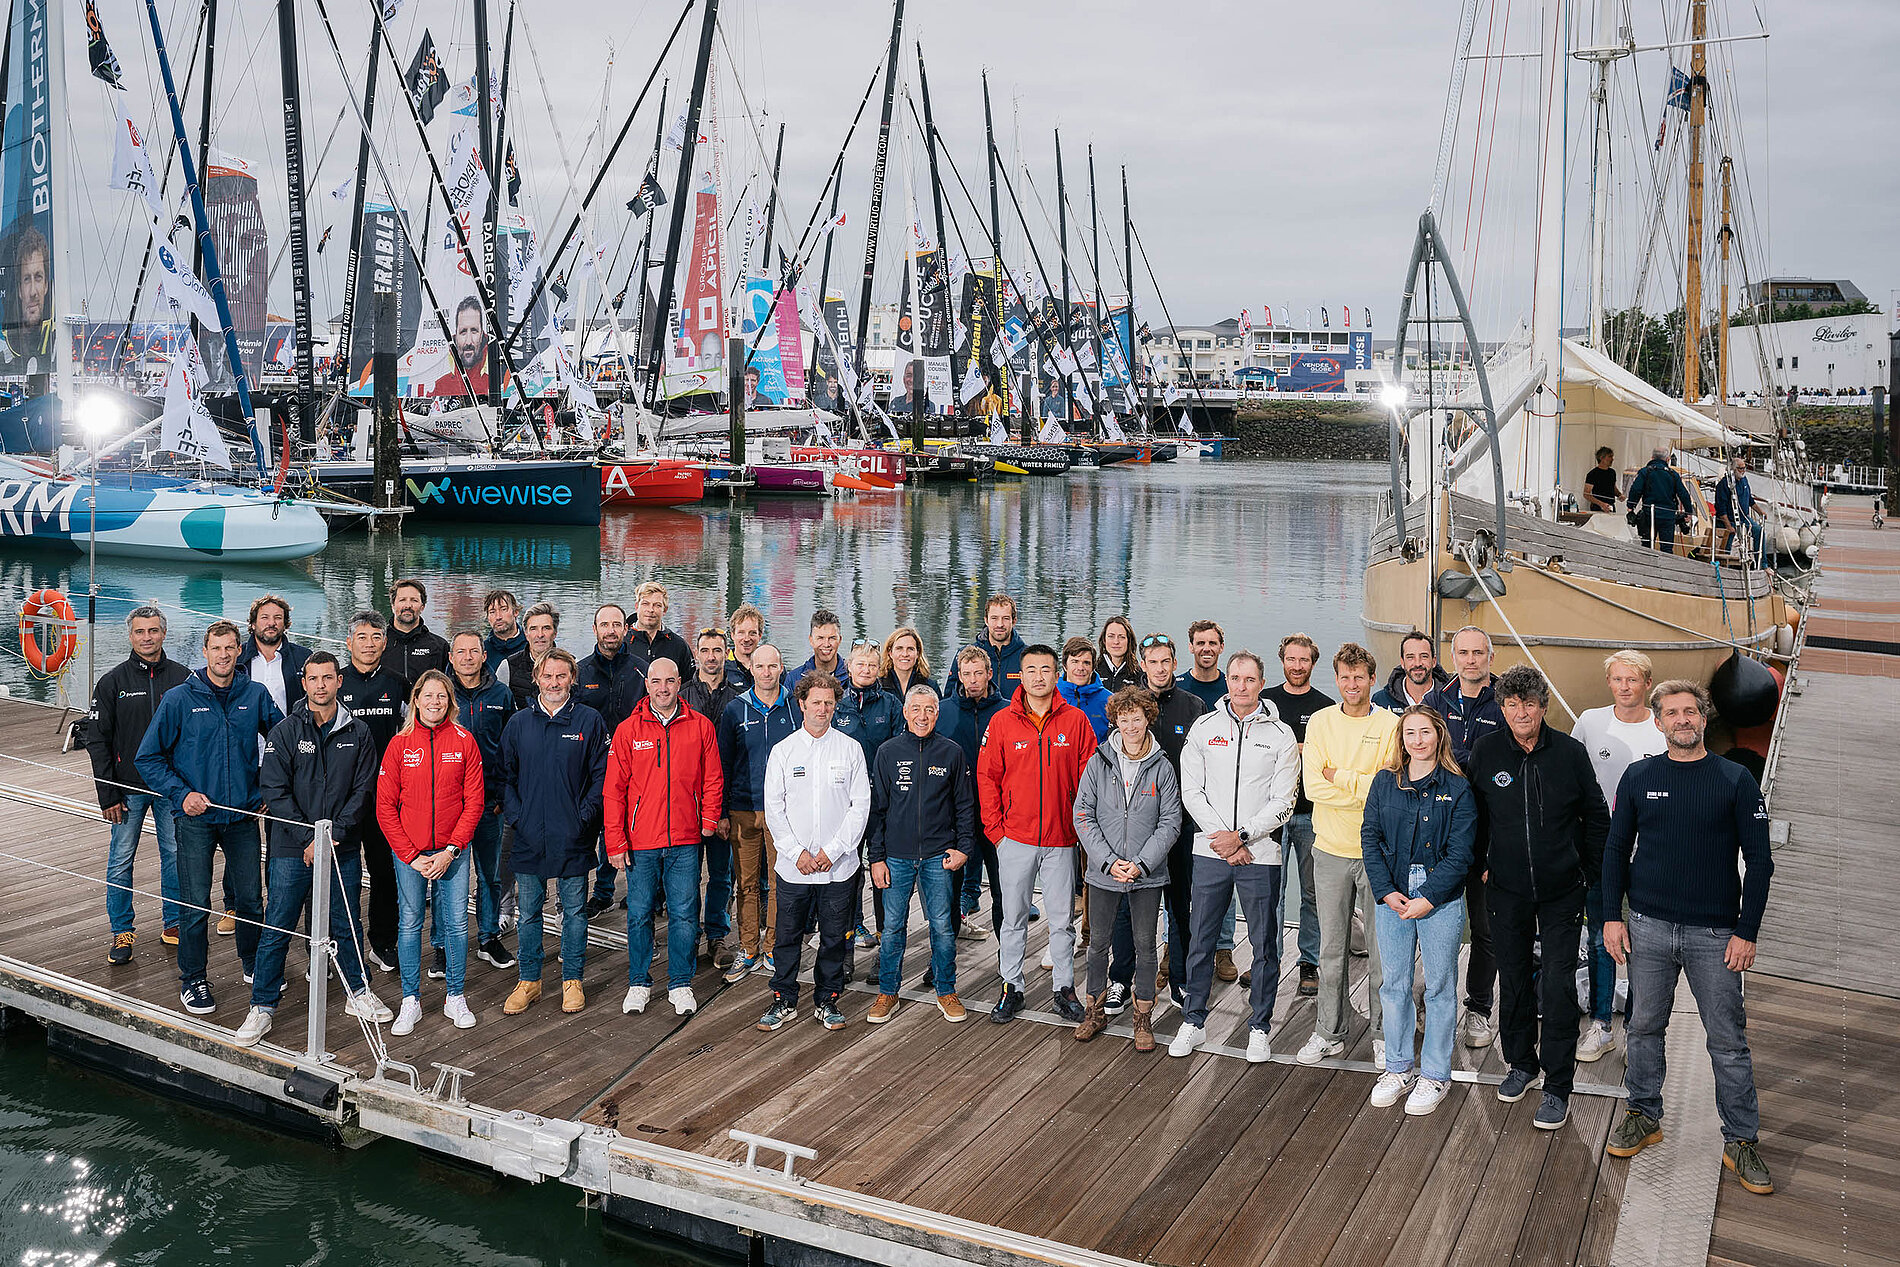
429 801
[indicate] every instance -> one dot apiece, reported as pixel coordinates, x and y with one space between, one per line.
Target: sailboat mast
299 233
682 186
1604 54
1062 238
498 259
646 239
877 184
485 133
344 335
1692 284
1128 260
771 207
943 241
204 114
1721 328
824 271
1095 267
996 235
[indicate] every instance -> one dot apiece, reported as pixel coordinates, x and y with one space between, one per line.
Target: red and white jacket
664 783
1027 772
429 794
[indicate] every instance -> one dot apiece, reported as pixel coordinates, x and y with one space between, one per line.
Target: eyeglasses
1157 640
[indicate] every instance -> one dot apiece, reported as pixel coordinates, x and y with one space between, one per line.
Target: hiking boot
1516 1085
521 998
883 1007
1224 969
1067 1006
1741 1156
228 925
1115 1002
170 935
1309 980
1094 1020
573 998
121 951
1161 976
1144 1025
952 1008
1635 1131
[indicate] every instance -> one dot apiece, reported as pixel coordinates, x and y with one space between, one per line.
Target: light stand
98 415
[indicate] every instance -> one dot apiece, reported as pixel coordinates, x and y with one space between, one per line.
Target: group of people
1098 783
1659 502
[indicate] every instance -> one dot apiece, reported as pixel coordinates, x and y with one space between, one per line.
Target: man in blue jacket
611 681
824 650
1656 495
751 725
1001 644
971 707
483 707
871 716
554 771
201 754
1081 687
505 637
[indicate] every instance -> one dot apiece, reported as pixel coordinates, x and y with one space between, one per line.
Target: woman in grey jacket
1127 815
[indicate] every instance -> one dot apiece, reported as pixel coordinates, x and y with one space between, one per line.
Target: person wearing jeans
483 707
531 892
123 851
970 710
1296 700
446 898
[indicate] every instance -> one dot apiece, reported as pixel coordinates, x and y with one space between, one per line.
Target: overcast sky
1276 153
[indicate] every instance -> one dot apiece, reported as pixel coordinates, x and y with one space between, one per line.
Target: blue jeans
290 880
674 871
716 919
937 886
124 847
485 847
531 894
1435 940
1296 840
1602 967
1660 952
450 903
1216 887
243 878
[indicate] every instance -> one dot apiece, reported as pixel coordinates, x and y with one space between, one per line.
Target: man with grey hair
1540 805
1693 815
1655 496
122 706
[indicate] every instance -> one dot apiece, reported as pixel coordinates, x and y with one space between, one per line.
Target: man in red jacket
1026 776
664 792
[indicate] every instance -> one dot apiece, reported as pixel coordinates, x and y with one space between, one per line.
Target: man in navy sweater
1692 814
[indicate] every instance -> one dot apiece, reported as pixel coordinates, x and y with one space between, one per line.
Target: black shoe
494 954
1007 1006
1516 1085
1067 1006
1309 980
1116 1001
930 980
597 905
439 964
382 958
197 998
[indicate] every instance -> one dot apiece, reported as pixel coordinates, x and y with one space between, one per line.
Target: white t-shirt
1614 745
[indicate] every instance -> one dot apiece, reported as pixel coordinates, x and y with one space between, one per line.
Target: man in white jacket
1240 774
817 800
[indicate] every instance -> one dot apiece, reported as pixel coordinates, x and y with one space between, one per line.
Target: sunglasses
1157 640
864 642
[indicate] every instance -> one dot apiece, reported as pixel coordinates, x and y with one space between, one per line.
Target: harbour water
91 1173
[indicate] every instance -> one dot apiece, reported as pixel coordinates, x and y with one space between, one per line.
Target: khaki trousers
752 858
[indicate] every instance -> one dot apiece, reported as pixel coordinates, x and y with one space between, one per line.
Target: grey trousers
1337 884
1018 867
1144 910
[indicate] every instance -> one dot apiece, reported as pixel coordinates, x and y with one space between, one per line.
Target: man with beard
414 648
270 657
470 350
1416 676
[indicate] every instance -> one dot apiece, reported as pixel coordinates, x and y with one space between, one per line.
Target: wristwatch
454 852
1245 835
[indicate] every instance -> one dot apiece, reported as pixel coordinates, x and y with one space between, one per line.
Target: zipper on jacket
431 730
1530 863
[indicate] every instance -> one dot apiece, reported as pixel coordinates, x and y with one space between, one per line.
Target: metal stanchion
322 873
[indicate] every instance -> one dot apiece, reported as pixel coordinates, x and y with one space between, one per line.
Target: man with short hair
271 659
1470 708
825 637
376 697
610 681
1026 776
318 763
1346 745
752 726
972 707
1681 823
922 834
414 648
817 798
717 681
539 625
200 752
123 704
505 637
1001 643
648 638
1296 700
747 627
1204 679
870 715
483 707
1081 687
1416 676
1599 482
1540 806
1656 495
1616 737
664 793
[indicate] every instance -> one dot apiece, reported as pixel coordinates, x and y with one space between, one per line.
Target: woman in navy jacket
1420 822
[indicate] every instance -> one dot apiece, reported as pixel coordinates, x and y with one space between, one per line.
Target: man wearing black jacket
122 707
648 639
539 625
1544 815
611 681
376 697
414 648
923 831
319 763
718 681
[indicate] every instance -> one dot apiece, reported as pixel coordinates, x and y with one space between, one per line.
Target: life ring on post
48 608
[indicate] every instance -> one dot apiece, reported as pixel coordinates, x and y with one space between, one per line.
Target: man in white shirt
269 657
1617 736
817 801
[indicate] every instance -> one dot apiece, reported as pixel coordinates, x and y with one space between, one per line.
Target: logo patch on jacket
642 745
1502 778
452 756
1218 741
306 747
412 759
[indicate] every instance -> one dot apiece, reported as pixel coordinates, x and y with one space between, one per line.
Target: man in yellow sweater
1346 745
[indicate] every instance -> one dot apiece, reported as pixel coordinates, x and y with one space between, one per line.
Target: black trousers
380 864
970 882
1525 985
831 905
1121 949
1481 973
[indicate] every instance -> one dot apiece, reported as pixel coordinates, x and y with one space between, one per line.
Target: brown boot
521 998
1144 1025
1161 976
1094 1021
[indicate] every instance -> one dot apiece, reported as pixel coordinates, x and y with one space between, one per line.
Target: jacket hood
487 680
302 712
1110 750
1395 682
644 711
784 698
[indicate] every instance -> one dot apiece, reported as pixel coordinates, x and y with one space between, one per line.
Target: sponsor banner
243 247
384 266
791 343
696 358
764 372
30 144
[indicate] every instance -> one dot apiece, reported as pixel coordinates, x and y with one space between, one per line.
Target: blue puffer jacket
1092 699
747 732
201 741
484 713
870 716
554 772
1431 823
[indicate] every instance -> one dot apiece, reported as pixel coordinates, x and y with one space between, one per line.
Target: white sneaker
1259 1047
1597 1041
1318 1048
256 1025
369 1008
1187 1040
1048 960
456 1009
1476 1031
972 930
684 1004
1426 1095
1378 1052
407 1019
636 1000
1387 1091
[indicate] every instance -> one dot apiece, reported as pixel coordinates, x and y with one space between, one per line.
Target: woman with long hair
904 663
429 801
1116 661
1420 826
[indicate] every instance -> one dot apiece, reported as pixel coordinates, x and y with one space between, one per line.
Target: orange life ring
48 607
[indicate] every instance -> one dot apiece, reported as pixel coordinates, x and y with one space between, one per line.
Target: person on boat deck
1599 482
610 681
1656 495
1421 822
483 707
1204 679
971 710
747 627
817 800
200 752
414 648
1416 676
824 640
273 661
539 625
1734 508
505 637
470 350
1004 646
752 726
1545 817
1682 821
1116 663
903 664
648 639
318 763
375 697
1080 686
716 682
123 704
1617 736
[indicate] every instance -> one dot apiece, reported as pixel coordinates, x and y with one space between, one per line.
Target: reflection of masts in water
1692 286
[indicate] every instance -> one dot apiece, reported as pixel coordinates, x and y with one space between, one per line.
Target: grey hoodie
1112 825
